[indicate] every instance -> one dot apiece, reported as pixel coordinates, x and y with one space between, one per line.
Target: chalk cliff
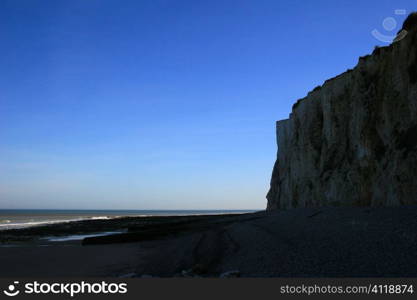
353 141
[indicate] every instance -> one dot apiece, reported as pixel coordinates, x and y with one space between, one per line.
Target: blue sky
162 104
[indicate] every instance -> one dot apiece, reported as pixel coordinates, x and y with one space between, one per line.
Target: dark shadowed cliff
353 141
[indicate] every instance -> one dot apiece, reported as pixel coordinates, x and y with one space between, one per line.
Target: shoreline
15 219
35 235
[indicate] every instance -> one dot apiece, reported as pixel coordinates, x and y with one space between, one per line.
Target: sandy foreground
325 242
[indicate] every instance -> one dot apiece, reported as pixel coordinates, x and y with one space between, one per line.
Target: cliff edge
353 141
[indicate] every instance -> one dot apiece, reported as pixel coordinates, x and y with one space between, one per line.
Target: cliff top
410 24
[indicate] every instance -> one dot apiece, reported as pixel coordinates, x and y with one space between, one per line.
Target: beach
314 242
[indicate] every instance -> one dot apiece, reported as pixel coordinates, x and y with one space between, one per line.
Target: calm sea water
20 218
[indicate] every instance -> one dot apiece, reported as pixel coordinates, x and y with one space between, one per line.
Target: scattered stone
315 214
129 275
188 273
230 274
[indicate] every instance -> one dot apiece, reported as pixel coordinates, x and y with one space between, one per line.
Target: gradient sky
162 104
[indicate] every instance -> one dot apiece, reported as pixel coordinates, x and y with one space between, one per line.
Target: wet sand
326 242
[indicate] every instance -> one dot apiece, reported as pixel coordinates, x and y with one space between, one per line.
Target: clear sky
162 104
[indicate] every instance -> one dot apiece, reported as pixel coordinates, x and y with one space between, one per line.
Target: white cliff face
353 141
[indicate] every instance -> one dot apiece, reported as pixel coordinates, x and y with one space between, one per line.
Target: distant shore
316 242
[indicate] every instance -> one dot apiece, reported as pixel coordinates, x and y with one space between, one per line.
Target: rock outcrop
353 141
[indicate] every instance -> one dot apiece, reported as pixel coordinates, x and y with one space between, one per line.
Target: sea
22 218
